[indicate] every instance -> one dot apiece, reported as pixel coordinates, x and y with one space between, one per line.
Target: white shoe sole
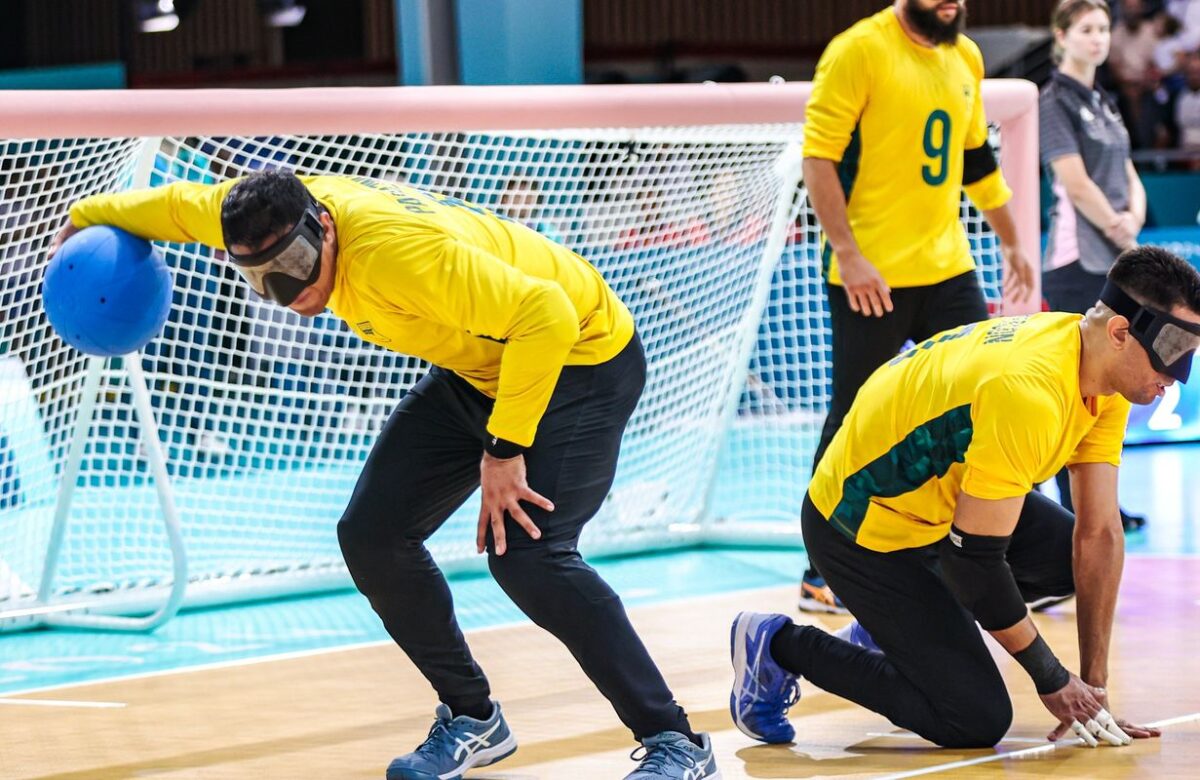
1037 605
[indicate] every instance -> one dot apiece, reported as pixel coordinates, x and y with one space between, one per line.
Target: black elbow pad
975 569
978 163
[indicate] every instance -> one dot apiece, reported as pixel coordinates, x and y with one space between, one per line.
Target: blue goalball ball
107 292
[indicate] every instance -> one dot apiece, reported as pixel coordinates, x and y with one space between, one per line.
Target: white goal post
213 466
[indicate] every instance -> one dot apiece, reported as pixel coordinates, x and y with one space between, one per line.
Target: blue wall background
101 75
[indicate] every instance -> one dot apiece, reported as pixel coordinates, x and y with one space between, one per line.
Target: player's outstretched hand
868 293
504 488
1020 275
1080 709
1135 731
68 230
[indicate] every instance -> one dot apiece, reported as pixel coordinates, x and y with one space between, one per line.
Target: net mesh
265 417
766 463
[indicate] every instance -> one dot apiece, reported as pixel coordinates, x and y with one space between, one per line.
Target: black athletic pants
425 465
934 675
1070 288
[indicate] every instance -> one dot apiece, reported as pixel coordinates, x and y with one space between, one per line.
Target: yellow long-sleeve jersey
431 276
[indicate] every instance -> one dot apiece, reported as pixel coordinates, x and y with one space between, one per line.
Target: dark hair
262 205
1152 276
1067 11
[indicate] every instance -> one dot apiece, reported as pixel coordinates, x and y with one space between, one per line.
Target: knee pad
975 570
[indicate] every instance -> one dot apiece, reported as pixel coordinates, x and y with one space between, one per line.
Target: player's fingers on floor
1140 732
1107 722
1102 734
1082 732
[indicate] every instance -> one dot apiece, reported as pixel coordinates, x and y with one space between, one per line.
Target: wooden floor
345 714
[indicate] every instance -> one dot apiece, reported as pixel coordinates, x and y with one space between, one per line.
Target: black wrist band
501 448
1043 667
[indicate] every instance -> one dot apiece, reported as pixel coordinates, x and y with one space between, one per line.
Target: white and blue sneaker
455 745
855 634
763 691
672 756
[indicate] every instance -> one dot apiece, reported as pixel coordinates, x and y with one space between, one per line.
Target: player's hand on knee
1079 710
867 292
504 488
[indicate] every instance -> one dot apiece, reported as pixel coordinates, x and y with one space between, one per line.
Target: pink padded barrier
112 113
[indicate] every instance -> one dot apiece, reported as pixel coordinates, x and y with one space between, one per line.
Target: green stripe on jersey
929 450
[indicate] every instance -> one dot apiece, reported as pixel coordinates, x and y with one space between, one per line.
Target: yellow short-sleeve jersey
989 409
898 118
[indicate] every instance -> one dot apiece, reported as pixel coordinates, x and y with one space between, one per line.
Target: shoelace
664 755
792 695
789 697
438 739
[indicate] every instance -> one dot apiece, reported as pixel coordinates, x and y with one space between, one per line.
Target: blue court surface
1155 481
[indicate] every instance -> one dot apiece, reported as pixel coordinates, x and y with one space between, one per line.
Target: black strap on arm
975 569
502 448
1044 668
978 163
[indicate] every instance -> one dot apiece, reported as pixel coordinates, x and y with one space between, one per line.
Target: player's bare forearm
829 202
1003 224
1020 273
1099 557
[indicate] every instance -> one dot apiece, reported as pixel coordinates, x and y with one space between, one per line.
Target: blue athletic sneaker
855 634
672 756
763 691
455 745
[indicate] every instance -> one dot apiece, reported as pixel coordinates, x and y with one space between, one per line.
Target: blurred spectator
522 201
728 194
1172 44
1187 12
1134 38
1187 107
656 227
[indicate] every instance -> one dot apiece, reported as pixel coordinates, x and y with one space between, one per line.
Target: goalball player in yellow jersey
924 517
537 369
894 133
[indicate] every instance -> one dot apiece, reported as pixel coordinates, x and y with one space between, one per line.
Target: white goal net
264 418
